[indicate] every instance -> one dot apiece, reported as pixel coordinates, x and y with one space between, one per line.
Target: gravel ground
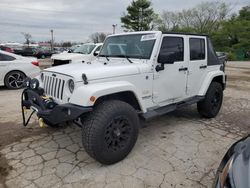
176 150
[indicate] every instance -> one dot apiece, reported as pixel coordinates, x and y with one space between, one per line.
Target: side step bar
172 107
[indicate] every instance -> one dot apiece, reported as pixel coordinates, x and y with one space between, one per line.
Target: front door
170 83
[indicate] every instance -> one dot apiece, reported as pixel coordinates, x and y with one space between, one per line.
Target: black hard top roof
181 33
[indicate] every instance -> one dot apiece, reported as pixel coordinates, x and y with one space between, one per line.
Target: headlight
71 85
42 77
34 83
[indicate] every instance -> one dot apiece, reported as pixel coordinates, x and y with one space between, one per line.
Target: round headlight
34 83
71 85
42 77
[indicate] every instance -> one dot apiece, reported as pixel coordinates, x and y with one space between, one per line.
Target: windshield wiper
129 60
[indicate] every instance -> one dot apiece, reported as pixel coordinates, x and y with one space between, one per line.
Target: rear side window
174 47
4 57
197 49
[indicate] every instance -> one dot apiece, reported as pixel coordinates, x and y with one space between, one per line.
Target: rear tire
110 132
14 80
210 106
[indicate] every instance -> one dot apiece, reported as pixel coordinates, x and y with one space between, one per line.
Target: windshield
131 46
85 49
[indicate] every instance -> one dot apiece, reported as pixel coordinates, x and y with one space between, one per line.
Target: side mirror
96 53
166 58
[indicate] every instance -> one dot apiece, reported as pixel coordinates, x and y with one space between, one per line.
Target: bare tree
170 20
204 18
27 37
208 15
102 37
98 37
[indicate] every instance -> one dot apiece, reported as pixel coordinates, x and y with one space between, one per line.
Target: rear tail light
36 63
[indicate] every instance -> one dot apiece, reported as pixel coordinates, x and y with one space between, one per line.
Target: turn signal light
92 98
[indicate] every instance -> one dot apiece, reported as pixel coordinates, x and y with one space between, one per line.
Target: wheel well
125 96
219 79
10 72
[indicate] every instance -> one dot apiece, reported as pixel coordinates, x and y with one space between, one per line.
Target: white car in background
85 53
14 69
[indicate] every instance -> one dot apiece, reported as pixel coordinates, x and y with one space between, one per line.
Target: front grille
60 62
54 87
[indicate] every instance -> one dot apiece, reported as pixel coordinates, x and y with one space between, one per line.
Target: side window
197 49
4 57
173 47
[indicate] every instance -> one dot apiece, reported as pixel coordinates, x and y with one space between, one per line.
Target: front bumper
58 114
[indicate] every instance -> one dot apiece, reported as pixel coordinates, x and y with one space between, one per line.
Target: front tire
110 132
210 106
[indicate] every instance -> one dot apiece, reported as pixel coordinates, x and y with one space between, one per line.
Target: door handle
203 66
183 69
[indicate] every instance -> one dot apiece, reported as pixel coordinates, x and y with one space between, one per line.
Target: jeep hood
98 70
68 56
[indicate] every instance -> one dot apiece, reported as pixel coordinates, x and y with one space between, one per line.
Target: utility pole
114 26
52 40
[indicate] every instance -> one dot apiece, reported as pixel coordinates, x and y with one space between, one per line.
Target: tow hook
41 122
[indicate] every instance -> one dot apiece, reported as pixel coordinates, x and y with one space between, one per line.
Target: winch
48 102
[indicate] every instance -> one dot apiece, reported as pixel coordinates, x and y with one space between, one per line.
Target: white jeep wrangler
137 74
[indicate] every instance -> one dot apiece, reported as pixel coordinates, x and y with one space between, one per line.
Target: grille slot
54 87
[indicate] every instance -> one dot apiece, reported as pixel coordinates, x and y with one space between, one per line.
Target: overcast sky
73 20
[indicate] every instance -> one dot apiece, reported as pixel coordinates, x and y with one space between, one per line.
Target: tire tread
92 124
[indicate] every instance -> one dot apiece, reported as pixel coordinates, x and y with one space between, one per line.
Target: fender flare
81 95
207 81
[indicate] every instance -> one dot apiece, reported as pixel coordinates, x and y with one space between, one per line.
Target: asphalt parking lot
176 150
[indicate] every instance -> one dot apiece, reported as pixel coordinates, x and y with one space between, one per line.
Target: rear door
197 64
